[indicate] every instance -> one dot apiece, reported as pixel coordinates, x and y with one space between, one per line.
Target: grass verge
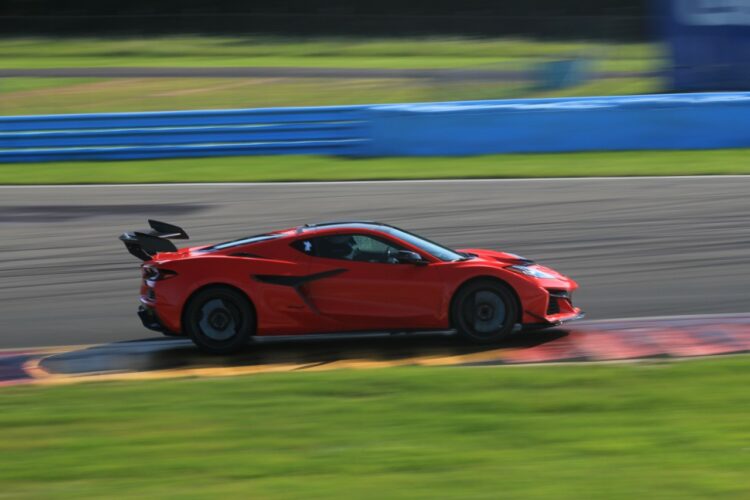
25 96
336 52
318 168
29 96
677 430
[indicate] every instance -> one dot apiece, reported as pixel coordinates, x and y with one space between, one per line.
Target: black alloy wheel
219 320
484 312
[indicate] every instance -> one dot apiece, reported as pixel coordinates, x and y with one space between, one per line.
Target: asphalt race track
638 247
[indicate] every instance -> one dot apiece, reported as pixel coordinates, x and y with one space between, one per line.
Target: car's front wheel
484 312
219 320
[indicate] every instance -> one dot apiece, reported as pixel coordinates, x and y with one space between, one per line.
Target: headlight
531 271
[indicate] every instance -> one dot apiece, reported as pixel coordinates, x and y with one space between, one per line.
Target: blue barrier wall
676 121
125 136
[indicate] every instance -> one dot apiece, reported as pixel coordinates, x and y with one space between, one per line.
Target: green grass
296 168
676 430
314 52
75 95
28 96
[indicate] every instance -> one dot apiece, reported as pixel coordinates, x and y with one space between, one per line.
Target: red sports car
339 277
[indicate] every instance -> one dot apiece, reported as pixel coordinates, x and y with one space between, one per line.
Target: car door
363 286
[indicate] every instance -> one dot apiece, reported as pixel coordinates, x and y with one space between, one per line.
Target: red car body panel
343 295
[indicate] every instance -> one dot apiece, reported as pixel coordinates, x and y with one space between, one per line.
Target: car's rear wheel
219 320
484 312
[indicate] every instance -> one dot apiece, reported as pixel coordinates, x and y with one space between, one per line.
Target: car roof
371 225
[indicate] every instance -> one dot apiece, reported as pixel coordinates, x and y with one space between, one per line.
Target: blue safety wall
676 121
128 136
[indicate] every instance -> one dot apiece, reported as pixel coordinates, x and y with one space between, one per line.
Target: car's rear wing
146 243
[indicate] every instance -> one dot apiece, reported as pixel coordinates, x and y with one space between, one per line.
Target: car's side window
304 246
354 247
369 249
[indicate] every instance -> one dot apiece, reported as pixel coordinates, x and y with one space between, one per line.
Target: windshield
243 241
443 253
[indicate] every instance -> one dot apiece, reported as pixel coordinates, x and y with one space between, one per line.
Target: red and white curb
591 341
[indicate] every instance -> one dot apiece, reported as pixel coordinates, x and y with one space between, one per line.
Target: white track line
707 177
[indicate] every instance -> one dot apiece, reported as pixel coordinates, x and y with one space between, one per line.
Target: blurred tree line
608 19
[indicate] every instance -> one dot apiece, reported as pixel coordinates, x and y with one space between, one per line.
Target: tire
219 320
484 312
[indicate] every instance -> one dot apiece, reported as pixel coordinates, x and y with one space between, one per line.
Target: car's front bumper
568 319
541 325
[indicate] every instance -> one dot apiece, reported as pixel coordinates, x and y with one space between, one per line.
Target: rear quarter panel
279 309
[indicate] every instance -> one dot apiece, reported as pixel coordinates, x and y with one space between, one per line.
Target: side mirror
409 257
